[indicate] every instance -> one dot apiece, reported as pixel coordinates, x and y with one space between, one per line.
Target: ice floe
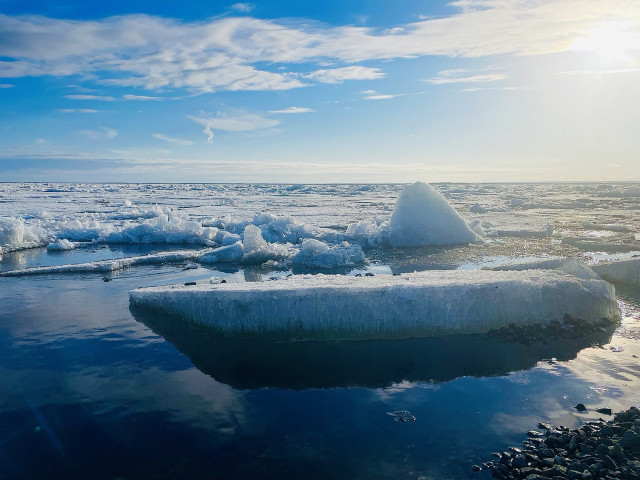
623 271
385 306
105 266
61 245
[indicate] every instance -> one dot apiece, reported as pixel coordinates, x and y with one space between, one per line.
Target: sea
91 388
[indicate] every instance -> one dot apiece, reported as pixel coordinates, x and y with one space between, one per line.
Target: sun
611 43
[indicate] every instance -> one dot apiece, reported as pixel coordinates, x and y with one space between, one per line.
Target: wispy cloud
243 7
294 110
600 72
102 98
166 138
104 133
339 75
465 76
233 53
242 122
142 98
373 95
76 110
6 85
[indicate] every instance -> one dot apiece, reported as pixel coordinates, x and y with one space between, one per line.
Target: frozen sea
93 389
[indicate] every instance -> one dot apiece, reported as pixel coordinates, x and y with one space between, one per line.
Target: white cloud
242 122
177 141
465 76
143 98
229 53
380 97
294 110
104 133
6 85
243 7
339 75
77 110
91 97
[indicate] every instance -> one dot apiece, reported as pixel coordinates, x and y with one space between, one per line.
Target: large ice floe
385 306
15 234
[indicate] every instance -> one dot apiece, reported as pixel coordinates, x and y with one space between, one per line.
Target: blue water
90 389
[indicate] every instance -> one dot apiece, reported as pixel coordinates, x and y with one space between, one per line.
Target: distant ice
385 306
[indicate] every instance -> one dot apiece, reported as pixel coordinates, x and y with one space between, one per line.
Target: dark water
90 389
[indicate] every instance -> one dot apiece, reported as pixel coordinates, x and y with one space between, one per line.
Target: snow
61 245
317 254
384 306
422 216
622 271
105 266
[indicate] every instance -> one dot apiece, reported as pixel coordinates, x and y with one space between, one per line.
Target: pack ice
411 305
622 271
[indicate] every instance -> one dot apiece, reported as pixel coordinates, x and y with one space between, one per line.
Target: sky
337 91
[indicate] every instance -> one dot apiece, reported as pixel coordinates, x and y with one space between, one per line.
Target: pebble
597 450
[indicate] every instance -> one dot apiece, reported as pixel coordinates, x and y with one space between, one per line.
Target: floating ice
546 231
228 253
422 216
420 304
15 234
318 254
623 271
606 226
567 265
165 228
61 245
105 266
257 250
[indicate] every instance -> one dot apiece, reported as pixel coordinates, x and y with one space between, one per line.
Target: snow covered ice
385 306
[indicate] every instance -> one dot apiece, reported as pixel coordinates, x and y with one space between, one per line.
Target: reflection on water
255 363
88 391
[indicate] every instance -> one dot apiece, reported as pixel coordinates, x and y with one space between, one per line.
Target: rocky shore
597 450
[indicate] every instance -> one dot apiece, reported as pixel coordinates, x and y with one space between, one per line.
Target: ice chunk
546 231
567 265
606 226
257 250
105 266
623 271
228 253
422 216
385 306
318 254
61 245
16 234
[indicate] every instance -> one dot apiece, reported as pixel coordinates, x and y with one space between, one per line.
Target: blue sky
334 91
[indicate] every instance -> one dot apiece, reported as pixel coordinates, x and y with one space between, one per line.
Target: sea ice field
113 365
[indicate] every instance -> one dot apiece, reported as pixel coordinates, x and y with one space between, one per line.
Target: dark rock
188 284
617 453
475 468
604 411
534 434
610 463
518 461
630 440
580 407
368 274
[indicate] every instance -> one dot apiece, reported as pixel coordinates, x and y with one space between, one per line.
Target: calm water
91 389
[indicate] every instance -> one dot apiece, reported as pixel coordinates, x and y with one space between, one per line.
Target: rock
187 284
580 407
610 463
617 453
630 440
475 468
518 461
604 411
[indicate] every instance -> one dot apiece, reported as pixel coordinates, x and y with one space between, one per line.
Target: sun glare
611 43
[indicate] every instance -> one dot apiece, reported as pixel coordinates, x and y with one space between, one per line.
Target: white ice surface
418 304
623 271
104 266
15 234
